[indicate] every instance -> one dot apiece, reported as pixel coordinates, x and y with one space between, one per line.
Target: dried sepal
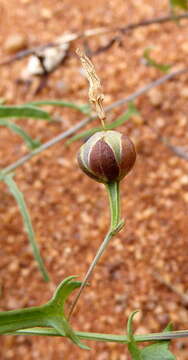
96 96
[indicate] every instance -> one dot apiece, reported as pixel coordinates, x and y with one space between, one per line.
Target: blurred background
145 266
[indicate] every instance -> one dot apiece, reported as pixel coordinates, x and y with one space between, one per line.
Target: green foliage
132 346
23 111
132 110
157 351
50 318
8 179
182 4
151 62
32 111
85 108
31 144
50 314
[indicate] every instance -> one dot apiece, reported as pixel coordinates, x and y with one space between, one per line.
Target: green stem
123 339
99 253
114 200
115 227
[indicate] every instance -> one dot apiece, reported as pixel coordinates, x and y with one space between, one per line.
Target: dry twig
68 38
180 151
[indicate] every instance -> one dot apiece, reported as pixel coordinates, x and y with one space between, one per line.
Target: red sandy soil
69 211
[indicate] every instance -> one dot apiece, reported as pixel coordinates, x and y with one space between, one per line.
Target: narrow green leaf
159 350
168 328
23 111
130 325
63 327
50 314
132 110
119 121
55 310
182 4
83 135
132 346
64 290
151 62
31 144
85 108
8 179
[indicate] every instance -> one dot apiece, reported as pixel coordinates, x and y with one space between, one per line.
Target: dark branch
159 20
89 33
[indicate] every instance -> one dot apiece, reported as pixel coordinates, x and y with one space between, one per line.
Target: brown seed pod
107 156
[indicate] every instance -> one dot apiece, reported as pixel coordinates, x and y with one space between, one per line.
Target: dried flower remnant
96 96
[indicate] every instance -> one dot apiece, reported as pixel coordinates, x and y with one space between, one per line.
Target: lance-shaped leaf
157 351
132 346
31 144
8 179
50 314
85 108
23 111
151 62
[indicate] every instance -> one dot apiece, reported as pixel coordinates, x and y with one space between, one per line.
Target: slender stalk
114 201
87 120
115 227
169 335
89 272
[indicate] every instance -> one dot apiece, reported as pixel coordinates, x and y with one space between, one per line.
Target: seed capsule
107 156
